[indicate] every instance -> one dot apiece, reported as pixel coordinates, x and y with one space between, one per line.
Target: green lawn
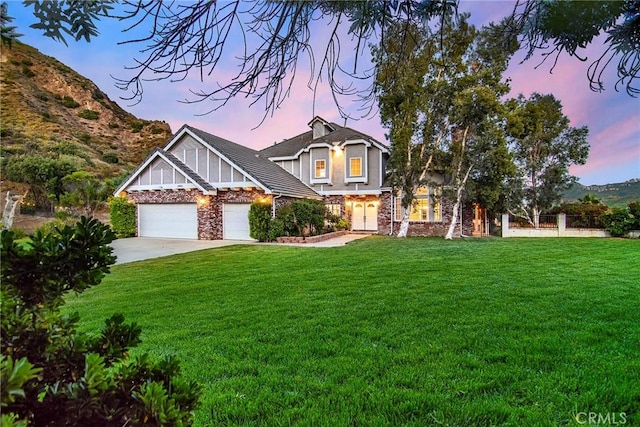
394 332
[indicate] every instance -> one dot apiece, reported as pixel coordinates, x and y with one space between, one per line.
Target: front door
365 216
480 225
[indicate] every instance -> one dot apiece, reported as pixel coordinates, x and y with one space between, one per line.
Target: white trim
185 130
146 164
381 176
350 193
324 169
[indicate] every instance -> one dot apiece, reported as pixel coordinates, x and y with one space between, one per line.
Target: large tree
544 146
439 95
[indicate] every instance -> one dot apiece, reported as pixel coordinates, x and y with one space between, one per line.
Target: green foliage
7 32
110 157
84 193
61 376
276 229
69 102
634 209
544 146
308 216
137 126
14 376
545 25
582 215
260 220
89 114
43 172
67 17
66 147
619 221
123 216
287 221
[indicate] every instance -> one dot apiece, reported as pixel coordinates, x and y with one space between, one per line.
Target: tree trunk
10 205
404 224
456 205
454 216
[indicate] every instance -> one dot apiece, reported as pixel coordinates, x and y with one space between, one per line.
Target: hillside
48 109
620 194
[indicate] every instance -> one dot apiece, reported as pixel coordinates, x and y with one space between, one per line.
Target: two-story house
344 166
200 186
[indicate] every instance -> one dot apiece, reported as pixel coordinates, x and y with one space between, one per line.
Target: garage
176 221
236 221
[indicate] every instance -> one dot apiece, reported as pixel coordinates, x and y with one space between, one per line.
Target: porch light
201 200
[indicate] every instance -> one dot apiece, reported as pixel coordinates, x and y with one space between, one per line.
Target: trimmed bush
259 221
123 217
309 216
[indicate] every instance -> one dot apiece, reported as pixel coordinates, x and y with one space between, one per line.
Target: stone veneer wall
386 219
337 200
209 207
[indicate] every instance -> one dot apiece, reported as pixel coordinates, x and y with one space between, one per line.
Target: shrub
26 71
276 229
85 137
89 114
137 126
618 221
634 209
54 375
286 217
110 157
69 102
309 216
259 220
123 216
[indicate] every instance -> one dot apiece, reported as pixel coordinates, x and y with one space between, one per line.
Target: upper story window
320 169
355 166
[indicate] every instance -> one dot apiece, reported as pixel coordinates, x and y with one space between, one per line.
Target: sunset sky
613 118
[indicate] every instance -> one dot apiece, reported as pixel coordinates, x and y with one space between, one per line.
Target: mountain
50 110
620 194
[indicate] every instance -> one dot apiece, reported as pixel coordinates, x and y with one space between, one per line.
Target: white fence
559 230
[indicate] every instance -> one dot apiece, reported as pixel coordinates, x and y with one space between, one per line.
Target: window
334 209
321 169
355 166
425 208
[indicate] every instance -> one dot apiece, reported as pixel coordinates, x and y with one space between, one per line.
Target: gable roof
293 146
272 177
189 174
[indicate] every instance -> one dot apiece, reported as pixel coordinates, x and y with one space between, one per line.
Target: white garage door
179 221
236 221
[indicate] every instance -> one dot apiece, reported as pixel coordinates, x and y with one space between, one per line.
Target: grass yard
519 332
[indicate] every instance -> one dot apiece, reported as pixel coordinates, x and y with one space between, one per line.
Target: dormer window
320 127
320 169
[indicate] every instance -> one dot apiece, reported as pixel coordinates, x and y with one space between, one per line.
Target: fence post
505 225
562 224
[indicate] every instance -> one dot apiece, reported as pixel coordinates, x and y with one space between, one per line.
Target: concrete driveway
140 248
